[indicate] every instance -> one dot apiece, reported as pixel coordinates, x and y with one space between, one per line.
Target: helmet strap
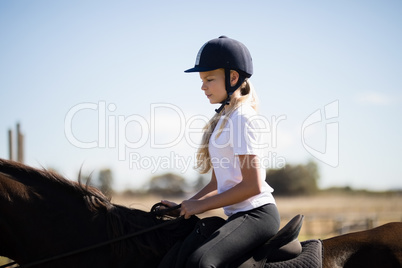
230 89
224 103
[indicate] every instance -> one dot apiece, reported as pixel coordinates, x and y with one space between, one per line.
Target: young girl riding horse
232 147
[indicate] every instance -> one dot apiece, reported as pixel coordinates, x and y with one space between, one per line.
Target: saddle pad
311 257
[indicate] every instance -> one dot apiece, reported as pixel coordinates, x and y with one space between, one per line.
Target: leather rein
155 210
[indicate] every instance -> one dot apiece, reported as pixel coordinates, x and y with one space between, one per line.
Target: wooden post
20 145
10 144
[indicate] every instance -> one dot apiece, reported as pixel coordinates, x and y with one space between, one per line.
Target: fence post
20 144
10 144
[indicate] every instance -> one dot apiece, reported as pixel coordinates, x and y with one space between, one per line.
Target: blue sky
100 84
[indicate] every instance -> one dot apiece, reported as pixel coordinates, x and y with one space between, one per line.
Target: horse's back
377 247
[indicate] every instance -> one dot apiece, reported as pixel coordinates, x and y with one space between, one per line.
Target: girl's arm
248 187
209 190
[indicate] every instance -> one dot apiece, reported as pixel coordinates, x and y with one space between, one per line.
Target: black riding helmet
226 53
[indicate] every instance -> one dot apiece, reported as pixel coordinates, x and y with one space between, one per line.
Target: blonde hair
245 93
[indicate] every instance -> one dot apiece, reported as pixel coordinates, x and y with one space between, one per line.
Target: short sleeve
246 135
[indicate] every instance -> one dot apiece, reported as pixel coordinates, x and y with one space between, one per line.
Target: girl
231 147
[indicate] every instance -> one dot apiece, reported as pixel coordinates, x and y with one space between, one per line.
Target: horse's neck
140 250
38 222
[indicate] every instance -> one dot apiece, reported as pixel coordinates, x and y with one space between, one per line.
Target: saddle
284 250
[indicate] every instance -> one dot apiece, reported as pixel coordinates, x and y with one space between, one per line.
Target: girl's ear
234 77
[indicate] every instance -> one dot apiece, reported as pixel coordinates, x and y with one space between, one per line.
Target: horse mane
120 220
17 170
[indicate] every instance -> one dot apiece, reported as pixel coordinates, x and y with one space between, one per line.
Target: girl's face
213 85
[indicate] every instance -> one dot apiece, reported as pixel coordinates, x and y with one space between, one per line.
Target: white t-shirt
242 135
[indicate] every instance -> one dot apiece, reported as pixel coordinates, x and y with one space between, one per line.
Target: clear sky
100 84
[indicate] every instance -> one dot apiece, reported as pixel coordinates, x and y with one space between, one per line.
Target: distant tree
105 181
167 184
202 180
294 180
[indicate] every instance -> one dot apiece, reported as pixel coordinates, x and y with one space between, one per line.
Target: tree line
291 180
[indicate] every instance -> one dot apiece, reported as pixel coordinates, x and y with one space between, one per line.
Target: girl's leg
243 231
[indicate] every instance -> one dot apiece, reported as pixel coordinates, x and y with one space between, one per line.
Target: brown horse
43 215
378 247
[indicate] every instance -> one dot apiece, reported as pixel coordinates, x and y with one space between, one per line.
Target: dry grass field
326 215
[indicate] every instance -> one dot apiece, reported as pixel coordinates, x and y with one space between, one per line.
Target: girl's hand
168 204
191 207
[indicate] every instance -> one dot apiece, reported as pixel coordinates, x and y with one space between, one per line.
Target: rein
155 210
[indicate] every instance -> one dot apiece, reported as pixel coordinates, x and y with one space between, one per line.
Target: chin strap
230 89
224 103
